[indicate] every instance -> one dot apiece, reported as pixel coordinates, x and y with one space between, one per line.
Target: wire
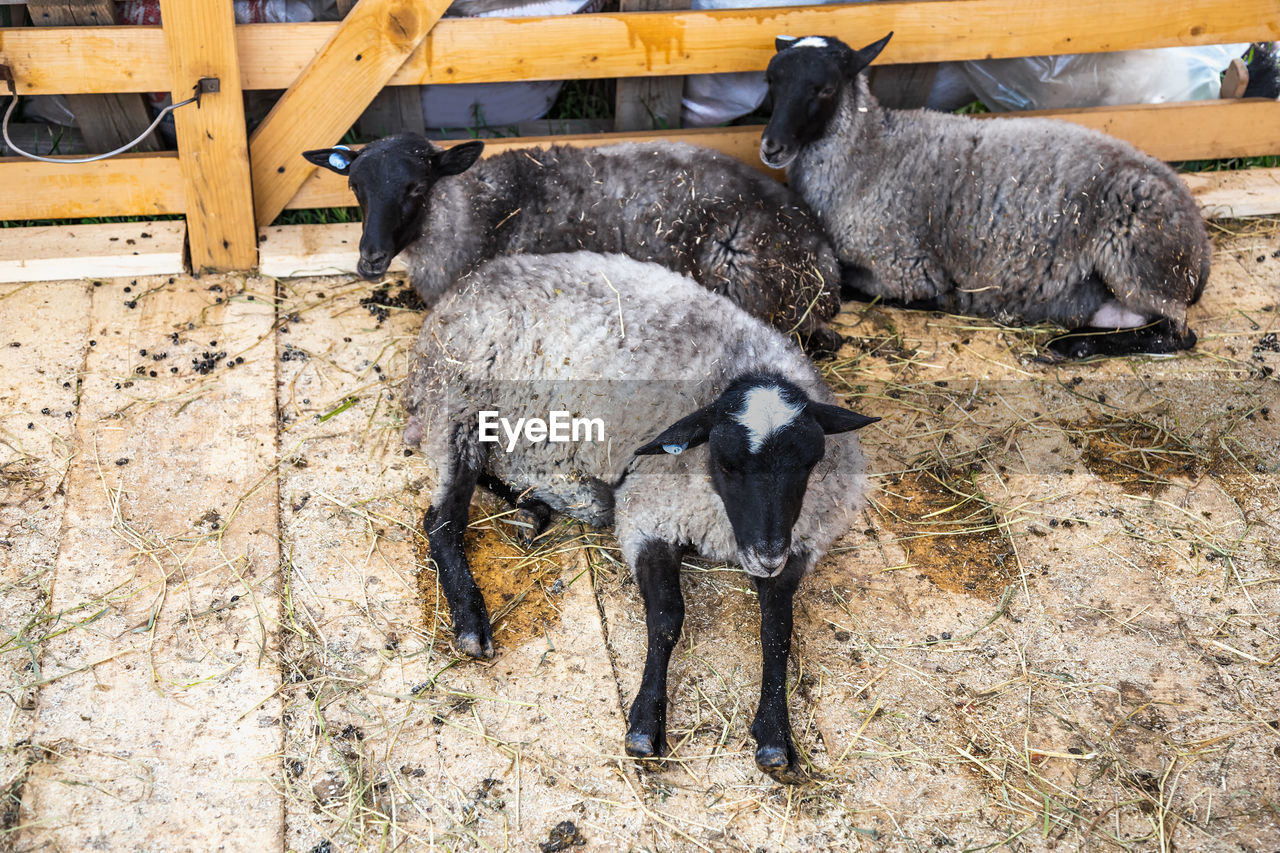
123 148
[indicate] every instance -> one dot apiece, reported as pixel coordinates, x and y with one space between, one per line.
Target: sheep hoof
776 763
641 745
823 344
531 520
473 645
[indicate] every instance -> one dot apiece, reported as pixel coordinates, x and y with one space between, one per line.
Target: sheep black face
764 437
392 181
806 77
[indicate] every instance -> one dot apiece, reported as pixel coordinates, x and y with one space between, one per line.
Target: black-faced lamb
1024 220
717 436
736 231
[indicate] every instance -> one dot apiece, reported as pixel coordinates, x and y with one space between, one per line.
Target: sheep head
392 181
764 437
806 78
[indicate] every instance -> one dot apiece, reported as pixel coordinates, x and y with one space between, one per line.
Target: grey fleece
734 230
1023 220
563 328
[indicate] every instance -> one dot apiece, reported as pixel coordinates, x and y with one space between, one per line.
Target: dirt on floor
1054 626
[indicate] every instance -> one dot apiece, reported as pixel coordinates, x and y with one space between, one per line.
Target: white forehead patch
763 413
811 41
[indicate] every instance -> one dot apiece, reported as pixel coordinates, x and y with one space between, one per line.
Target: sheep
1024 220
735 230
717 435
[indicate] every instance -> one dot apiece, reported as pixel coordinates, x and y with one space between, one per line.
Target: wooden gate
228 183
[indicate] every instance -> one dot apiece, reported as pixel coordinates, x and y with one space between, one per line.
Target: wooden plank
109 250
289 251
212 140
474 50
159 717
107 121
1183 131
339 82
42 350
1169 131
648 103
1230 195
127 185
373 718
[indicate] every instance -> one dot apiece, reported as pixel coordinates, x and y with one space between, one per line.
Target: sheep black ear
459 158
337 159
834 419
860 59
781 43
689 431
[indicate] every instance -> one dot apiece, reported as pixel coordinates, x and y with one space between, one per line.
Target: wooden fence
227 182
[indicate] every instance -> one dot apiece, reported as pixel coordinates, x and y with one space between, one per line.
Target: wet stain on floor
949 532
1139 456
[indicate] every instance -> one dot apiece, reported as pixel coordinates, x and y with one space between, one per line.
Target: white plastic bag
453 106
1098 79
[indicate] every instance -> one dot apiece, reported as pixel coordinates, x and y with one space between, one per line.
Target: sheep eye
827 91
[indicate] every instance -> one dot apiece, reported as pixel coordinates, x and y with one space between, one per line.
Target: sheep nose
769 149
373 264
772 555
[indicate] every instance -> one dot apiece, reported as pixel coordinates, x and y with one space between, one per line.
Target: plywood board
158 720
43 341
1233 195
59 252
289 251
383 717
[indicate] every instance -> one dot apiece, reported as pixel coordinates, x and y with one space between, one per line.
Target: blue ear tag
674 449
339 161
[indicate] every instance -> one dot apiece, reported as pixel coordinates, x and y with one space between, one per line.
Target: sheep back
1025 219
695 211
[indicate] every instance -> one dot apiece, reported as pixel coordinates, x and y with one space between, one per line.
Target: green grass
318 216
1229 164
88 220
584 99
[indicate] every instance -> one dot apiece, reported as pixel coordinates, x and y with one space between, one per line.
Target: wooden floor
1056 628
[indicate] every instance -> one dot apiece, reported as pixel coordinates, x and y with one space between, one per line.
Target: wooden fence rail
308 57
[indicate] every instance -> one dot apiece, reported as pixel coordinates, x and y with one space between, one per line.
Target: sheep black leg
532 515
658 576
445 523
775 752
1089 341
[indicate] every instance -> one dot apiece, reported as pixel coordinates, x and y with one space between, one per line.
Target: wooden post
106 121
212 145
649 103
396 109
340 81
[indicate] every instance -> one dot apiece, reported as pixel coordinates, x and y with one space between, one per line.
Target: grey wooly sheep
1022 220
721 438
736 231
